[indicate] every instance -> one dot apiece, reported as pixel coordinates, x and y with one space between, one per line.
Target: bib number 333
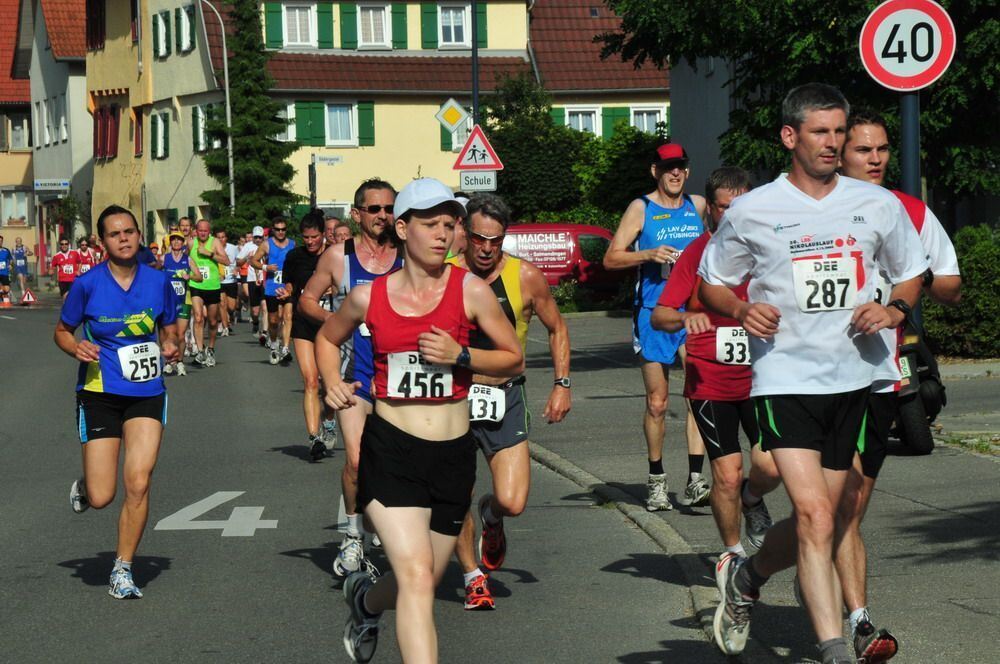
410 377
140 362
825 284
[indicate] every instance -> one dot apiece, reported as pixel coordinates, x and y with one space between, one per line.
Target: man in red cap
653 232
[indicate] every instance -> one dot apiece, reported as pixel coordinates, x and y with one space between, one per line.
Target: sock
488 515
472 576
695 463
354 525
656 467
857 615
749 500
835 650
121 564
737 549
748 581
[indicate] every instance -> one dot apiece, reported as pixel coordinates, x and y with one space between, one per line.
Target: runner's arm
700 206
194 274
619 256
257 260
83 350
219 254
325 277
331 335
534 283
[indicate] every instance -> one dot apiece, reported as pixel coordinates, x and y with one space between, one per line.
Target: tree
260 169
778 45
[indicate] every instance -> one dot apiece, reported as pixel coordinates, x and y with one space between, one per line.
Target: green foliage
615 171
260 169
581 214
71 208
969 329
778 45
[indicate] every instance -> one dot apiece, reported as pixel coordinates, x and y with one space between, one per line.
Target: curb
704 598
614 313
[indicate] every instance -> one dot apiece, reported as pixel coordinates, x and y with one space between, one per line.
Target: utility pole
229 111
475 63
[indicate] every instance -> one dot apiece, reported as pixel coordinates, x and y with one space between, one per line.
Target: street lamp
229 116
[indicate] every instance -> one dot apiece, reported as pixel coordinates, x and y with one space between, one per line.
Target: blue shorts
21 269
654 345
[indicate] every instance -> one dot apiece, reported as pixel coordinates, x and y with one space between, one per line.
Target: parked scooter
921 395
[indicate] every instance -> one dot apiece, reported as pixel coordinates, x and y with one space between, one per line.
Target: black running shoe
317 448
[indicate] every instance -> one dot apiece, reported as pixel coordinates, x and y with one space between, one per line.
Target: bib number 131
410 377
825 284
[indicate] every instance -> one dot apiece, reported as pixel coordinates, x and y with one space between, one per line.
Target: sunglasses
375 209
279 229
480 240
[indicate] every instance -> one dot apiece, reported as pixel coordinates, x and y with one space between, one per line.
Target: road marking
8 317
242 521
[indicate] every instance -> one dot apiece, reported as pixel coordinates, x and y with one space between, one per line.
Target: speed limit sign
907 44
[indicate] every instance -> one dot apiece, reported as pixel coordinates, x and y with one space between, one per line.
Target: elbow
663 320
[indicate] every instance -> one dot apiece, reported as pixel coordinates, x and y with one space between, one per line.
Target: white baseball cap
424 194
258 231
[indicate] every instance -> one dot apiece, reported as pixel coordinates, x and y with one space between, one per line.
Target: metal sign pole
475 64
909 107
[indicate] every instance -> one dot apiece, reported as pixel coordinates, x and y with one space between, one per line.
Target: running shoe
219 329
262 338
874 646
199 358
181 369
757 520
274 356
122 586
168 369
286 355
492 541
330 433
223 331
724 559
657 498
254 326
317 448
478 596
696 493
360 632
731 624
348 560
78 496
210 357
230 331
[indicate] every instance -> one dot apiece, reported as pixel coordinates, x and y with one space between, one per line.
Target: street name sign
907 44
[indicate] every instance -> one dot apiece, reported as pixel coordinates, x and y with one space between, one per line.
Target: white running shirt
247 252
815 261
228 272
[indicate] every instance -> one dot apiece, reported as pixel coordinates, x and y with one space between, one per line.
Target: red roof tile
12 91
562 36
66 21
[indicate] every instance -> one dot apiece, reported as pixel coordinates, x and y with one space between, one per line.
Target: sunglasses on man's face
375 209
279 229
480 240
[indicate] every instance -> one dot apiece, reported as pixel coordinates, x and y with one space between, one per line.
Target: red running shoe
492 541
874 646
478 596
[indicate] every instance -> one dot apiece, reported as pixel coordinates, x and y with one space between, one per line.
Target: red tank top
400 372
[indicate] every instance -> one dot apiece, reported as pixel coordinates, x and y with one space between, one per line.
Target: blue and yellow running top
676 227
123 324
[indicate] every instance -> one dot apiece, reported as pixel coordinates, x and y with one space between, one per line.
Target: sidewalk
932 529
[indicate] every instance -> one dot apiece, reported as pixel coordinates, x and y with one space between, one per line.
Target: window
96 22
184 24
61 118
106 132
15 208
199 128
300 25
159 135
161 35
286 115
461 135
453 25
582 119
137 133
646 118
46 121
20 139
373 26
133 6
340 124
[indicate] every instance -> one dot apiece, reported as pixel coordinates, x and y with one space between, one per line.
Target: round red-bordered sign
907 44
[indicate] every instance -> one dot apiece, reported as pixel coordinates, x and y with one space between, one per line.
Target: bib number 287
825 284
410 377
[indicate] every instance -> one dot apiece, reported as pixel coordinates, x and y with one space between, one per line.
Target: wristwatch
464 358
902 306
928 278
562 382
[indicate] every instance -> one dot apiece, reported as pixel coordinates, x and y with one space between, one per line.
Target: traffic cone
5 300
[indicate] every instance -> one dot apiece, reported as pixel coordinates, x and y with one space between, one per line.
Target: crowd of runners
782 304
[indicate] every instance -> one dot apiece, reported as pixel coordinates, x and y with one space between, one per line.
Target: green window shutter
154 142
150 225
610 116
192 33
558 115
445 140
273 36
165 19
165 119
179 32
348 25
324 23
156 35
192 213
302 132
366 123
172 216
481 25
317 120
428 25
399 26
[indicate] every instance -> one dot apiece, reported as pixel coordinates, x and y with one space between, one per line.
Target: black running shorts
304 328
719 424
100 415
255 293
64 287
831 424
230 290
400 470
274 304
209 297
875 444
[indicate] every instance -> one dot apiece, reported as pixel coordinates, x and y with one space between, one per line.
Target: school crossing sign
907 44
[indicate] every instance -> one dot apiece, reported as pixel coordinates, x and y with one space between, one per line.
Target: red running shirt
400 372
66 264
705 377
87 260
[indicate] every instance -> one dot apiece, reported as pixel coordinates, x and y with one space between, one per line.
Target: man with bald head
206 294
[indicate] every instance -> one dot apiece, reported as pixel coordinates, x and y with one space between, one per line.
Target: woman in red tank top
418 460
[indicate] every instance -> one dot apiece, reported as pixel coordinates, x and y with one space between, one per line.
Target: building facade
16 205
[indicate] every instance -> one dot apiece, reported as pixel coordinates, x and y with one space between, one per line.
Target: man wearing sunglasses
66 263
270 258
342 267
498 412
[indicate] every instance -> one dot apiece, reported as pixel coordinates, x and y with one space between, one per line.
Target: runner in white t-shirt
255 291
809 244
866 157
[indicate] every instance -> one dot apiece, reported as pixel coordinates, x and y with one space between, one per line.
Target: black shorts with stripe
719 423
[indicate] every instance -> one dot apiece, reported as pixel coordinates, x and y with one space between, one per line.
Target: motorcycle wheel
913 427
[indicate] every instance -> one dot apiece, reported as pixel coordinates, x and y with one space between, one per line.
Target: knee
656 405
99 499
728 480
513 503
311 384
136 485
416 576
816 521
351 467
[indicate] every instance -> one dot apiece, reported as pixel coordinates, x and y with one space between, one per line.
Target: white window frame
44 122
313 25
200 129
646 108
63 126
158 135
5 206
342 208
25 132
289 110
160 25
349 143
466 25
585 108
387 22
187 44
461 135
36 124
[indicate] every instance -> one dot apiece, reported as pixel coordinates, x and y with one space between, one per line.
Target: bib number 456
411 377
421 385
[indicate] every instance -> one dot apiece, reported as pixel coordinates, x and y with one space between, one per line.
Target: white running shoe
122 586
731 624
696 493
210 357
181 369
360 632
757 520
168 369
78 496
350 557
657 498
274 357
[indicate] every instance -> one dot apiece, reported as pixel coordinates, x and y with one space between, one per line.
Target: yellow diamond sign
452 115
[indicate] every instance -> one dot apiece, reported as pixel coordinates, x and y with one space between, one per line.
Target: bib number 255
140 362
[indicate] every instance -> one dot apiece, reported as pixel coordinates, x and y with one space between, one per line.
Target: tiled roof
66 21
340 70
562 35
12 91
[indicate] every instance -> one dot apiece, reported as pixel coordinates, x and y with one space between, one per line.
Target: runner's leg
100 470
727 480
310 381
286 325
213 324
655 380
851 556
199 312
142 445
352 424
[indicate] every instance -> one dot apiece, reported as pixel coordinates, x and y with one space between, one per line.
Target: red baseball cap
670 153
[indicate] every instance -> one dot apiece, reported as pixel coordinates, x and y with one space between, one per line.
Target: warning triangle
477 154
28 297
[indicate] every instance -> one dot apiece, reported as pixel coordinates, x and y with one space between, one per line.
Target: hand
272 267
170 351
87 351
697 323
438 347
664 254
872 317
759 319
282 293
558 404
340 396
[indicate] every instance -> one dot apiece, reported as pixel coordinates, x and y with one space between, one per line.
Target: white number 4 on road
242 522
